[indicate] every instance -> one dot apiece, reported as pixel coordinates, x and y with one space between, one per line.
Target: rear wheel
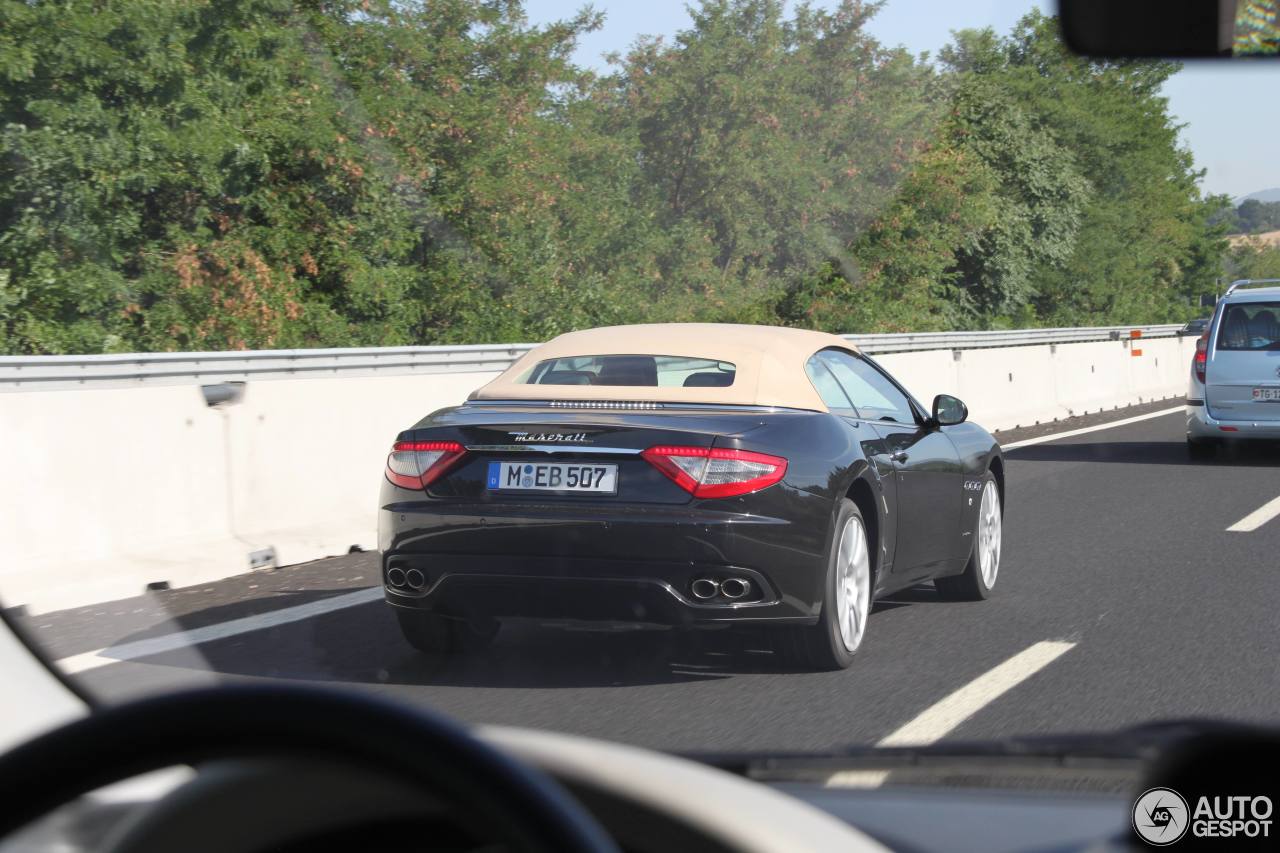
1201 448
433 633
979 576
832 642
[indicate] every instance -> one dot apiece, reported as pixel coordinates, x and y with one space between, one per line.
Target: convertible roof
769 362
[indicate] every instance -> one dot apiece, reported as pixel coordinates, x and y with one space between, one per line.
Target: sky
1228 107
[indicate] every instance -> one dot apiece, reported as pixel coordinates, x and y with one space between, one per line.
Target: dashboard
646 802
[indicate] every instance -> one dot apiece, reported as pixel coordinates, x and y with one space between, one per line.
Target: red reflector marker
418 464
716 472
1229 429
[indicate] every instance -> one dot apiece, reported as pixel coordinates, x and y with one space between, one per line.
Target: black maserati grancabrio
692 475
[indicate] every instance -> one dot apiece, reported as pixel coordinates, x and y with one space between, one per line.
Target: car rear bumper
1202 424
631 564
583 593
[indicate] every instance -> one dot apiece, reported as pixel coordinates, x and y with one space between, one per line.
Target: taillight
1202 356
418 464
717 472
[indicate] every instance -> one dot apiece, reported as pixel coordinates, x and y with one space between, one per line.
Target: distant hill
1270 195
1257 241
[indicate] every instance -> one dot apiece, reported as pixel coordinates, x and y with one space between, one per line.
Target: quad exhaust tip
395 576
730 588
415 579
704 588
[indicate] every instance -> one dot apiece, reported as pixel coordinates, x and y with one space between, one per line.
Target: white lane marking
1257 518
183 639
940 718
1041 439
856 779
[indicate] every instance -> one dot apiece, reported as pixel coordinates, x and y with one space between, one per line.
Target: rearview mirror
1138 29
948 411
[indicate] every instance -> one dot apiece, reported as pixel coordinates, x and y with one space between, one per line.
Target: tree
767 146
255 173
1141 242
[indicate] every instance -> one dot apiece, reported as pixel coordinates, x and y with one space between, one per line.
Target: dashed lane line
1257 518
942 717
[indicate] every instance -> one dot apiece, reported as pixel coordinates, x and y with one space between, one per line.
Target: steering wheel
416 748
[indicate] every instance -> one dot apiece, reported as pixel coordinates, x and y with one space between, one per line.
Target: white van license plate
1266 395
552 477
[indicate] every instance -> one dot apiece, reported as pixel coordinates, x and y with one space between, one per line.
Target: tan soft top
769 363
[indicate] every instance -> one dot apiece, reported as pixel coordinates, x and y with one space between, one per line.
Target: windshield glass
258 260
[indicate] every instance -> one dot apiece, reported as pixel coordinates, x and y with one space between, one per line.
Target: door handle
899 456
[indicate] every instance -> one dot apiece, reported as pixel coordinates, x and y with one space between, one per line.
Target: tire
1201 448
833 641
980 573
435 634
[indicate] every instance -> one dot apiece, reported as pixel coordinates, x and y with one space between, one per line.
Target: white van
1235 376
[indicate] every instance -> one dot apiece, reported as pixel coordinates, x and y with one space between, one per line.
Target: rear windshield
652 371
1250 326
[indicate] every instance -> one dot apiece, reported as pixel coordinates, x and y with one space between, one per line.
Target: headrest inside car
709 379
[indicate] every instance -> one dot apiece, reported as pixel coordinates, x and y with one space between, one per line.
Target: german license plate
553 477
1266 395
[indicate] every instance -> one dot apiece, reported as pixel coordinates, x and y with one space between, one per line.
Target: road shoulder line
172 642
1041 439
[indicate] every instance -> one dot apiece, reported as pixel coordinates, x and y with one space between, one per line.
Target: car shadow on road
362 644
1243 454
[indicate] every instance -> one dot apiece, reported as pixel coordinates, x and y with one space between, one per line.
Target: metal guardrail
53 372
916 341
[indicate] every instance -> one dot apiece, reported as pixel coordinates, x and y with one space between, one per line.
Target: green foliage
1250 261
1106 220
1251 217
253 173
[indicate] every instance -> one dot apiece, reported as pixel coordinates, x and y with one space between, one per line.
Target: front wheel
436 634
831 643
979 576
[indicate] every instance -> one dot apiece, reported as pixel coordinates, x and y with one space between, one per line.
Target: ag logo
1160 816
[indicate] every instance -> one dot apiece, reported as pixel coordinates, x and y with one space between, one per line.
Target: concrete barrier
1020 386
109 489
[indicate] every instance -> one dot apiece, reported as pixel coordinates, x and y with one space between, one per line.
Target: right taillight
716 472
1202 356
418 464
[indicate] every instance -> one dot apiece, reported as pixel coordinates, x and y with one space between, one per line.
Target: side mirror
948 411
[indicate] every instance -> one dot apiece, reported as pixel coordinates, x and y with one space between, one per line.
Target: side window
827 386
874 396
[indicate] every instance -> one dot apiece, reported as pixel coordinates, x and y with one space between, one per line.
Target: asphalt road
1114 542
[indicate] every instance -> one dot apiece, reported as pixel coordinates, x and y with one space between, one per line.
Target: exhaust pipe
395 576
734 588
704 588
415 579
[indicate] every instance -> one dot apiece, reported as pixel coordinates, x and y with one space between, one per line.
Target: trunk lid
1242 377
599 446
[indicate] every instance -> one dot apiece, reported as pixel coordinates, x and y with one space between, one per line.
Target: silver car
1235 376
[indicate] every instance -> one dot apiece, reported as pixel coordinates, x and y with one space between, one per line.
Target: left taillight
716 472
418 464
1201 360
